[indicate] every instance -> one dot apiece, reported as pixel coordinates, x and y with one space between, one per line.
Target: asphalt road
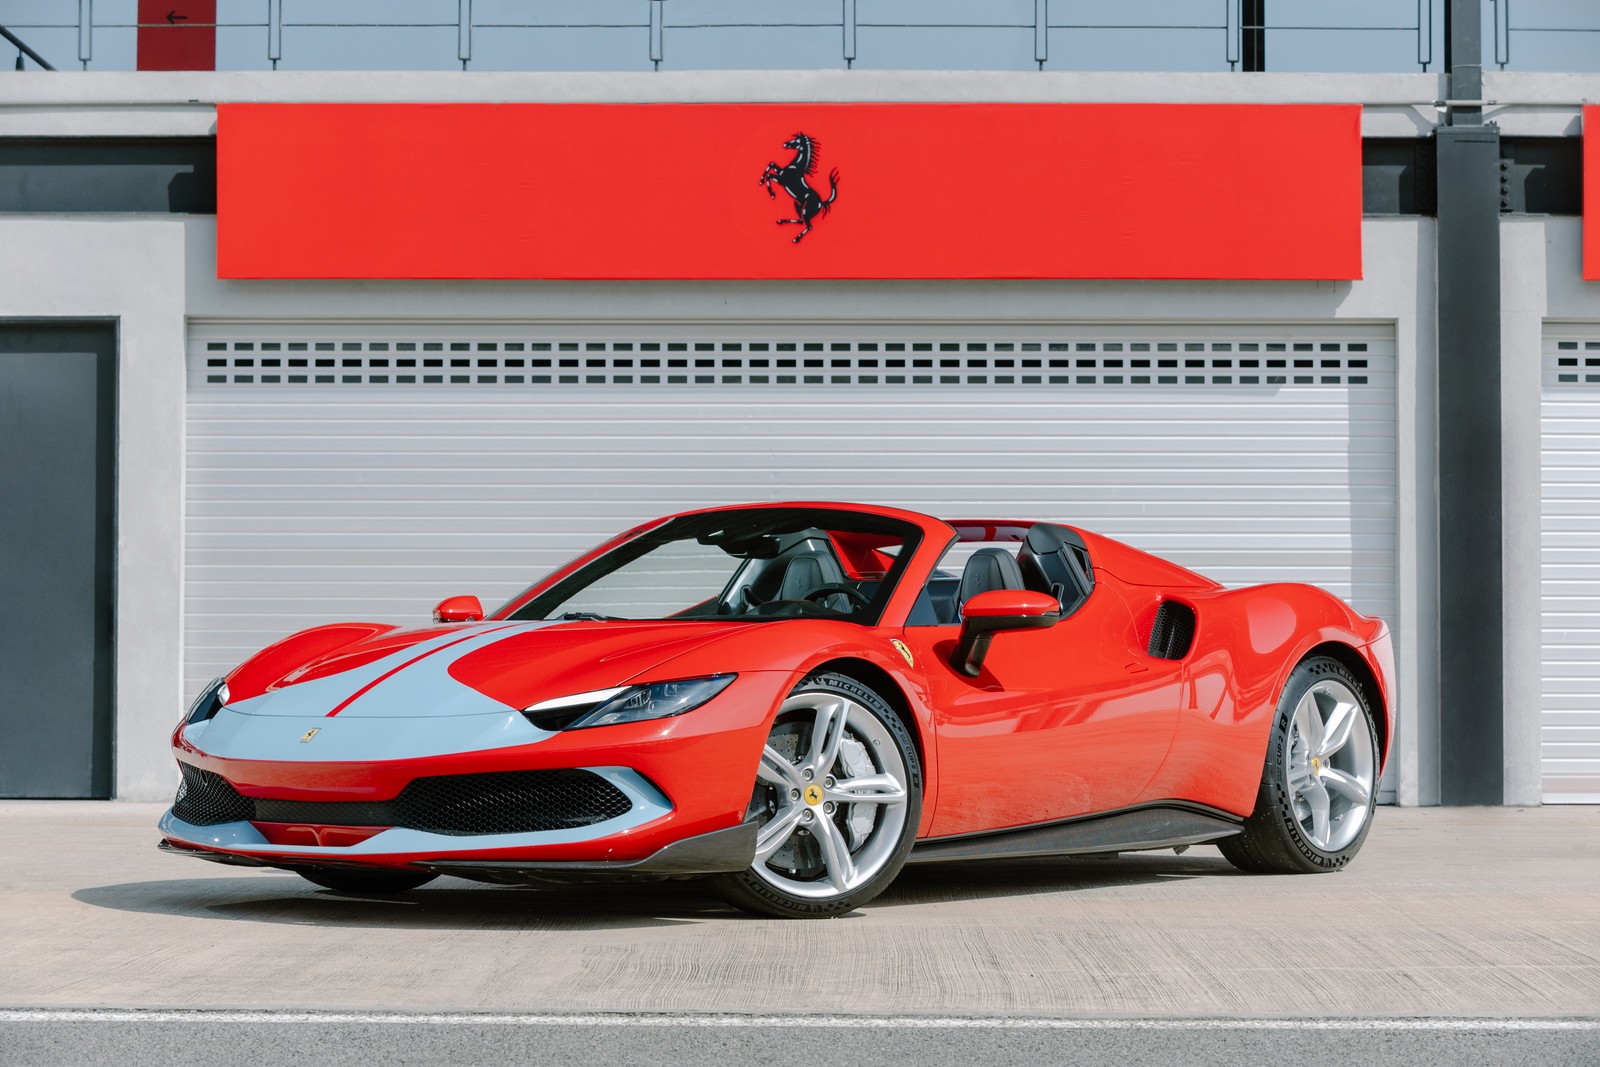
118 1039
1466 935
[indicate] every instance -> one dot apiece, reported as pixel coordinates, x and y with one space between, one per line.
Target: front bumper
645 804
685 777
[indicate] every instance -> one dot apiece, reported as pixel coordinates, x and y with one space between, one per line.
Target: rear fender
1247 642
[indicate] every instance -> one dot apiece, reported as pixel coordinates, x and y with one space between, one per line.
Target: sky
1157 35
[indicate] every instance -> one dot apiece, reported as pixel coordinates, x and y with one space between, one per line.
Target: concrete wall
130 269
151 103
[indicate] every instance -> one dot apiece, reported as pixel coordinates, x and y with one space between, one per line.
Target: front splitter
718 852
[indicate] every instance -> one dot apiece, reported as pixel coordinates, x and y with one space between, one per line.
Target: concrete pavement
1447 913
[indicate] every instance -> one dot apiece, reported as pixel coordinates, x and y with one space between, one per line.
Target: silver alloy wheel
1330 765
841 796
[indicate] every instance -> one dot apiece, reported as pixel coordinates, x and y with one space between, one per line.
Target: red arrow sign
177 35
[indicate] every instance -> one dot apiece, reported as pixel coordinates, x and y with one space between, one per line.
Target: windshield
755 564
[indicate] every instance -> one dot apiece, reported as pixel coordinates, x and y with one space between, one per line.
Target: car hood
465 669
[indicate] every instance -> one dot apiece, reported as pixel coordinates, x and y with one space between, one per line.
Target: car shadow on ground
450 903
940 883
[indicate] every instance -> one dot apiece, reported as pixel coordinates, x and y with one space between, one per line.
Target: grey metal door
56 558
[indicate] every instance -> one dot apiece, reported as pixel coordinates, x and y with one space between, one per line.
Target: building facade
270 452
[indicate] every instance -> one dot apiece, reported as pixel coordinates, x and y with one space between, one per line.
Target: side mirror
458 609
986 614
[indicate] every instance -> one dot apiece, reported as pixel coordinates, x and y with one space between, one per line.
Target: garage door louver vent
724 362
1572 362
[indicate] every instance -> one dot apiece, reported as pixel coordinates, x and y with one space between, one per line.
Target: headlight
629 703
208 703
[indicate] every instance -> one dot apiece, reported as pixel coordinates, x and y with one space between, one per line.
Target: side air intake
1173 631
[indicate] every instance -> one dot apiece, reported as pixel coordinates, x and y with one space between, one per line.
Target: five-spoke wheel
1330 765
1320 781
837 797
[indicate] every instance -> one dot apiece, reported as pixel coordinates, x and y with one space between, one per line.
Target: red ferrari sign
1591 194
177 35
707 191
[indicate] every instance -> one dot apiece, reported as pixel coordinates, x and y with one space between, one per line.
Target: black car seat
1049 565
987 569
807 572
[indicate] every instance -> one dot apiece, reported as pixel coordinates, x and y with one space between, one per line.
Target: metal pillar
1253 25
1471 611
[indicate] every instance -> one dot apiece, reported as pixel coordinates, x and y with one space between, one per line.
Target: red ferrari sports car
793 701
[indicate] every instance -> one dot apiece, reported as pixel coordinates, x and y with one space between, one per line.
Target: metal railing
24 51
1544 30
696 34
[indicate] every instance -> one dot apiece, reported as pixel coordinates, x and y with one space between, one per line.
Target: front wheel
838 796
1320 782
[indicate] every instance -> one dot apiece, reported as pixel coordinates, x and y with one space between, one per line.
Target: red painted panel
671 191
1062 722
177 35
1591 193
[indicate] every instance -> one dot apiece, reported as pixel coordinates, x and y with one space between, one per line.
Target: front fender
797 648
271 664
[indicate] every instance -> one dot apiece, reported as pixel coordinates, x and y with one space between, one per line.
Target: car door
1063 721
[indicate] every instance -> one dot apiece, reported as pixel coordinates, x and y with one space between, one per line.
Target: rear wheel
838 796
1319 786
374 882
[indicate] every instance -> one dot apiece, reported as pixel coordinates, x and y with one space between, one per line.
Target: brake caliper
857 764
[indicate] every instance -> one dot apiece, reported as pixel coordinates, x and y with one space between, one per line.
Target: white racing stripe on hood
423 688
358 739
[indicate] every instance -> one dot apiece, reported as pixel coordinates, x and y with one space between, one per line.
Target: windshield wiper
586 616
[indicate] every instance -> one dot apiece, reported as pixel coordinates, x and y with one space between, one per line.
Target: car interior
1050 559
799 575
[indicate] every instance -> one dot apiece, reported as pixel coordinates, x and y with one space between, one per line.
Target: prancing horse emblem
808 203
309 734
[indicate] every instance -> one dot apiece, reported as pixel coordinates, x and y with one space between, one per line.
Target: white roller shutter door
365 471
1570 565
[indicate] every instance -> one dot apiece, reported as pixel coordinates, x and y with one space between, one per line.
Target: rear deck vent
1173 631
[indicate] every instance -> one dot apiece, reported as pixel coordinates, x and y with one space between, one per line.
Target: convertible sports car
793 701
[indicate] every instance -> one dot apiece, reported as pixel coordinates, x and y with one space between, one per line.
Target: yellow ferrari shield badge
309 734
905 653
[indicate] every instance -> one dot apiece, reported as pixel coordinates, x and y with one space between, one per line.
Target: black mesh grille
503 802
206 799
1173 631
509 802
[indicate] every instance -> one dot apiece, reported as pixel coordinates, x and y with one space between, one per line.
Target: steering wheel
861 599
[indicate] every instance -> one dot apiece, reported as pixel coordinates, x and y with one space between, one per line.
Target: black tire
373 882
1275 838
761 888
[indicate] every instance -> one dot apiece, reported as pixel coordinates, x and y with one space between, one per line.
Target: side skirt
1166 824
